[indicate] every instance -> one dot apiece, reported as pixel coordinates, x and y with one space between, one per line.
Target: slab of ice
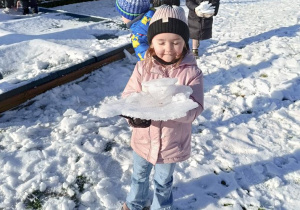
206 8
160 99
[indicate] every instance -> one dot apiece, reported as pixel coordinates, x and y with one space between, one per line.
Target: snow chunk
274 182
105 183
70 192
160 99
69 112
206 8
43 186
61 203
70 179
110 201
87 197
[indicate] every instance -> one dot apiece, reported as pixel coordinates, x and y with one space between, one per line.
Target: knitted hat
169 19
130 9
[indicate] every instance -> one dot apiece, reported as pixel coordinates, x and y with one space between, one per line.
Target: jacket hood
188 59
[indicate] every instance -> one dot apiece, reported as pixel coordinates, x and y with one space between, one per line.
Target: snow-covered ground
33 47
56 153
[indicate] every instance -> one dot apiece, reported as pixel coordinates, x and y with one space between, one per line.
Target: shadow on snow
209 189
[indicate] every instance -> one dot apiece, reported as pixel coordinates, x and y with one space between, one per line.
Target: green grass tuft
227 204
80 182
263 75
33 200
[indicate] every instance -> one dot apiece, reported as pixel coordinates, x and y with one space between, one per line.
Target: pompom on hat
130 9
169 19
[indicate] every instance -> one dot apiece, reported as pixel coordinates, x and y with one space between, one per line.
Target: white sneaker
12 11
7 10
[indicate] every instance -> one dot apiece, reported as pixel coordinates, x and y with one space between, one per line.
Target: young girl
160 144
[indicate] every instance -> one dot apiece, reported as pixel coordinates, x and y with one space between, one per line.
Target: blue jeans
163 180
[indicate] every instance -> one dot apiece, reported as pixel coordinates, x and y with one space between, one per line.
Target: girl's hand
137 122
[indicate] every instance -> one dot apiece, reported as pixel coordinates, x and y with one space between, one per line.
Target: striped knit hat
169 19
130 9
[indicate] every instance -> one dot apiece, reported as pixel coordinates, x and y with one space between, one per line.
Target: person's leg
25 5
163 181
195 45
34 6
138 195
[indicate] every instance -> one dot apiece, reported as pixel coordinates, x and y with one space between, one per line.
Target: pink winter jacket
167 141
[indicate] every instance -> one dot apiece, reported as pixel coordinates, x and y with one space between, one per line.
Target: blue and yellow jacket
139 28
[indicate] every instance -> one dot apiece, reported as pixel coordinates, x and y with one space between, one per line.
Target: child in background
200 24
29 3
160 144
136 14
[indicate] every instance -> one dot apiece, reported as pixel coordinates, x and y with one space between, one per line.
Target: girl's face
168 46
